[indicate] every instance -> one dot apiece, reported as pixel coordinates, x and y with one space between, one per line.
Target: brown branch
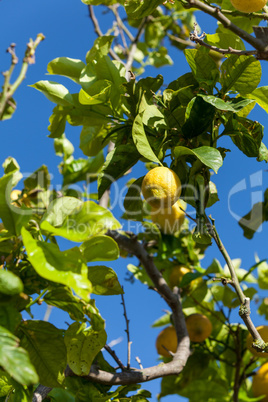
199 39
216 13
133 46
115 357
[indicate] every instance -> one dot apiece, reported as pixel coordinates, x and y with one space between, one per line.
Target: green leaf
57 122
93 139
199 116
141 8
263 308
86 220
13 358
98 92
245 134
5 384
100 248
225 40
263 275
10 284
232 104
45 345
209 156
104 281
65 267
251 222
162 321
203 67
241 73
118 161
63 298
260 95
82 169
67 67
10 165
56 93
63 147
83 344
141 141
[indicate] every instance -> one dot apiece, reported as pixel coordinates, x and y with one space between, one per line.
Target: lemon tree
157 144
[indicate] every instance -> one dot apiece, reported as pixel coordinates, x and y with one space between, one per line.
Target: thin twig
133 46
127 332
115 357
99 31
138 360
237 366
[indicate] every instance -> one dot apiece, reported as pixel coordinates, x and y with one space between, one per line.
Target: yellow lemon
177 273
263 331
199 327
161 187
166 341
248 6
168 219
260 383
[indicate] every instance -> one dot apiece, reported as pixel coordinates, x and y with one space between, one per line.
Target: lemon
260 383
177 273
166 341
199 327
263 331
248 6
168 219
161 187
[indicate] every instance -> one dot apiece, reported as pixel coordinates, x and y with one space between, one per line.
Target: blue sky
69 32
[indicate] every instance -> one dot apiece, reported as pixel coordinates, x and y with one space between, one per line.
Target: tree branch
199 39
127 332
216 13
244 311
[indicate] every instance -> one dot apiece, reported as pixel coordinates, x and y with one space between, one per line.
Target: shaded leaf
63 298
198 117
46 348
10 284
104 281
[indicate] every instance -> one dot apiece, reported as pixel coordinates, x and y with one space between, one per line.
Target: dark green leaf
93 139
203 67
132 202
46 348
118 161
9 317
198 117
